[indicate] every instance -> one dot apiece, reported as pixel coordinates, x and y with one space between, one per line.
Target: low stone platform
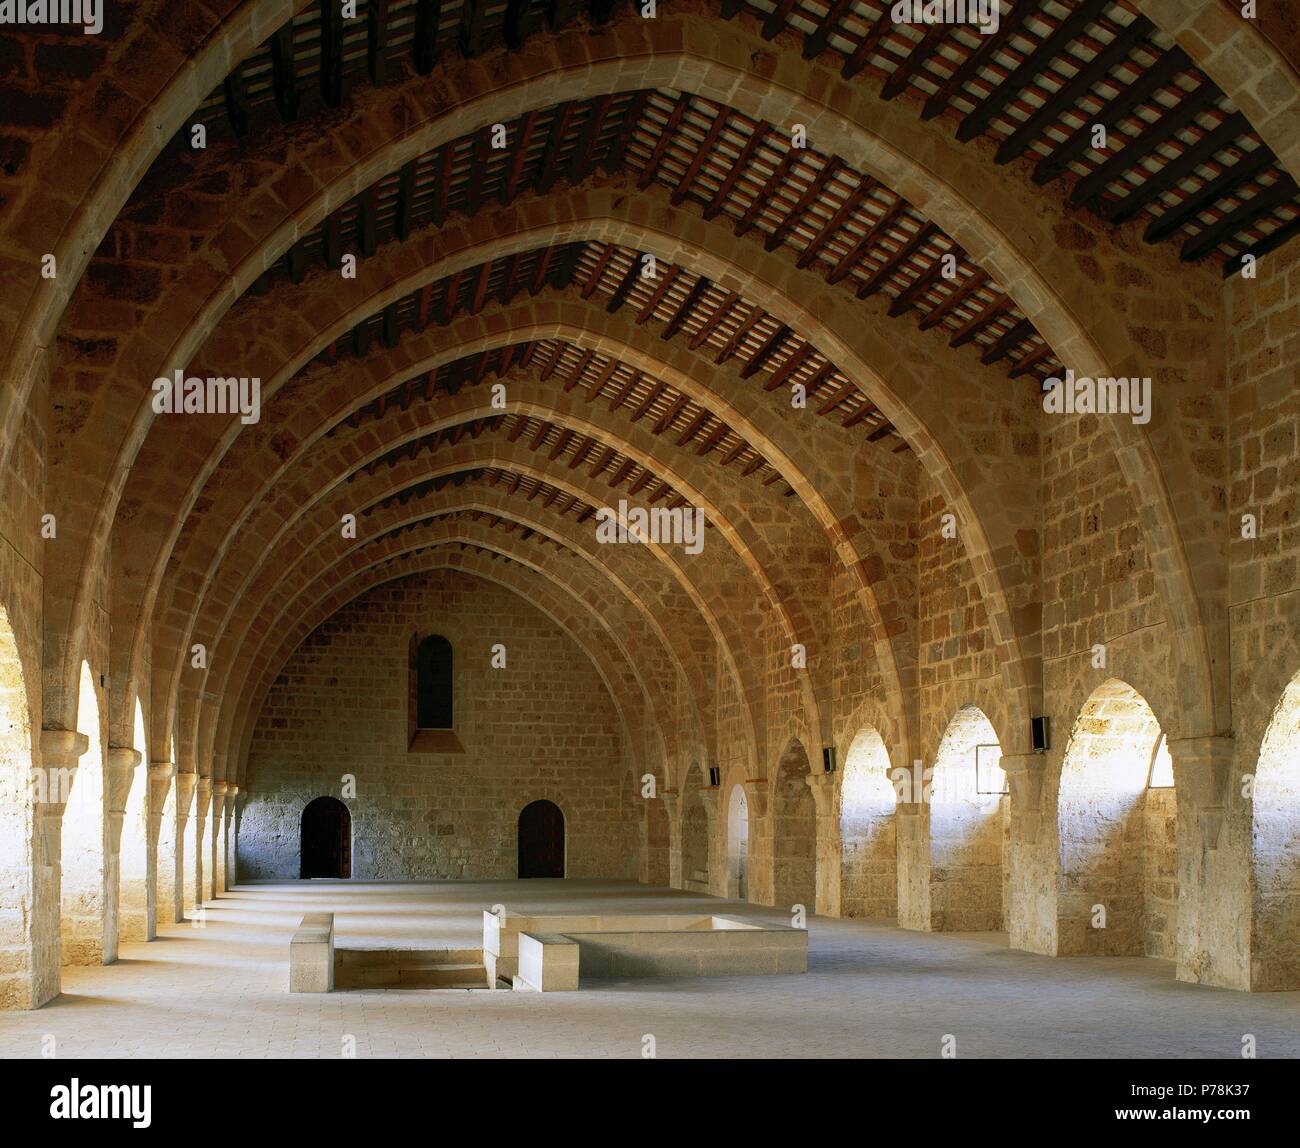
546 953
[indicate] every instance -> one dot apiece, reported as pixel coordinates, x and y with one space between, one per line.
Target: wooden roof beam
686 309
284 82
331 55
1074 89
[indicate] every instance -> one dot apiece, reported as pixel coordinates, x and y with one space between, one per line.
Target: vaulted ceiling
392 405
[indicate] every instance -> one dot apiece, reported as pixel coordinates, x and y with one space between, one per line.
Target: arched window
433 683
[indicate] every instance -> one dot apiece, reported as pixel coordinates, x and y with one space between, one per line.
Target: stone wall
542 727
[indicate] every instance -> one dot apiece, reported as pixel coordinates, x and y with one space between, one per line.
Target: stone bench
311 955
548 962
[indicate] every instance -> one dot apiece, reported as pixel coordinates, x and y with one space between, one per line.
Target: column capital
161 770
220 788
123 757
823 791
63 747
205 785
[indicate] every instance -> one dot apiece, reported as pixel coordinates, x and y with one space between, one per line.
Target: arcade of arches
458 281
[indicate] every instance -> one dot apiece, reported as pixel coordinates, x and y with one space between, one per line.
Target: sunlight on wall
968 826
85 837
868 881
1275 927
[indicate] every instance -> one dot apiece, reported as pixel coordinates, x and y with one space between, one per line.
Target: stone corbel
672 800
220 799
122 761
160 775
205 798
1202 767
185 783
823 791
52 783
1025 776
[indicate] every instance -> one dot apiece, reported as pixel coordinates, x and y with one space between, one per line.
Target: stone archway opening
1117 890
738 844
794 829
868 845
86 861
969 827
326 839
1275 831
18 868
136 910
541 840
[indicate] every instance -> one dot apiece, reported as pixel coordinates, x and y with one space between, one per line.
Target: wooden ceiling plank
971 66
1205 241
878 277
799 212
743 161
1093 185
880 28
916 58
702 154
1075 88
686 309
1176 170
768 348
1139 91
853 256
666 135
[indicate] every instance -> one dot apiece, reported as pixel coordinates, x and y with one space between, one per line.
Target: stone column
52 781
716 862
220 814
672 800
119 901
912 824
202 866
235 798
828 843
185 851
162 850
761 876
1030 861
1213 865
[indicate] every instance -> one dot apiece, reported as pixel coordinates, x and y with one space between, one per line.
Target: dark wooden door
326 839
541 840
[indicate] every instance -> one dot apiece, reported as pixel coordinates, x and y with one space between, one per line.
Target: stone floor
871 991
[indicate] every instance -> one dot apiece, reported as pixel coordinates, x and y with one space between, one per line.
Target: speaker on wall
715 775
828 759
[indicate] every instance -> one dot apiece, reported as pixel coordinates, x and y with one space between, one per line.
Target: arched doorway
968 827
326 839
794 843
738 844
1117 816
868 854
541 840
1275 909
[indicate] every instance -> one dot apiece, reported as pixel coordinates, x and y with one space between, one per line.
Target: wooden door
541 840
